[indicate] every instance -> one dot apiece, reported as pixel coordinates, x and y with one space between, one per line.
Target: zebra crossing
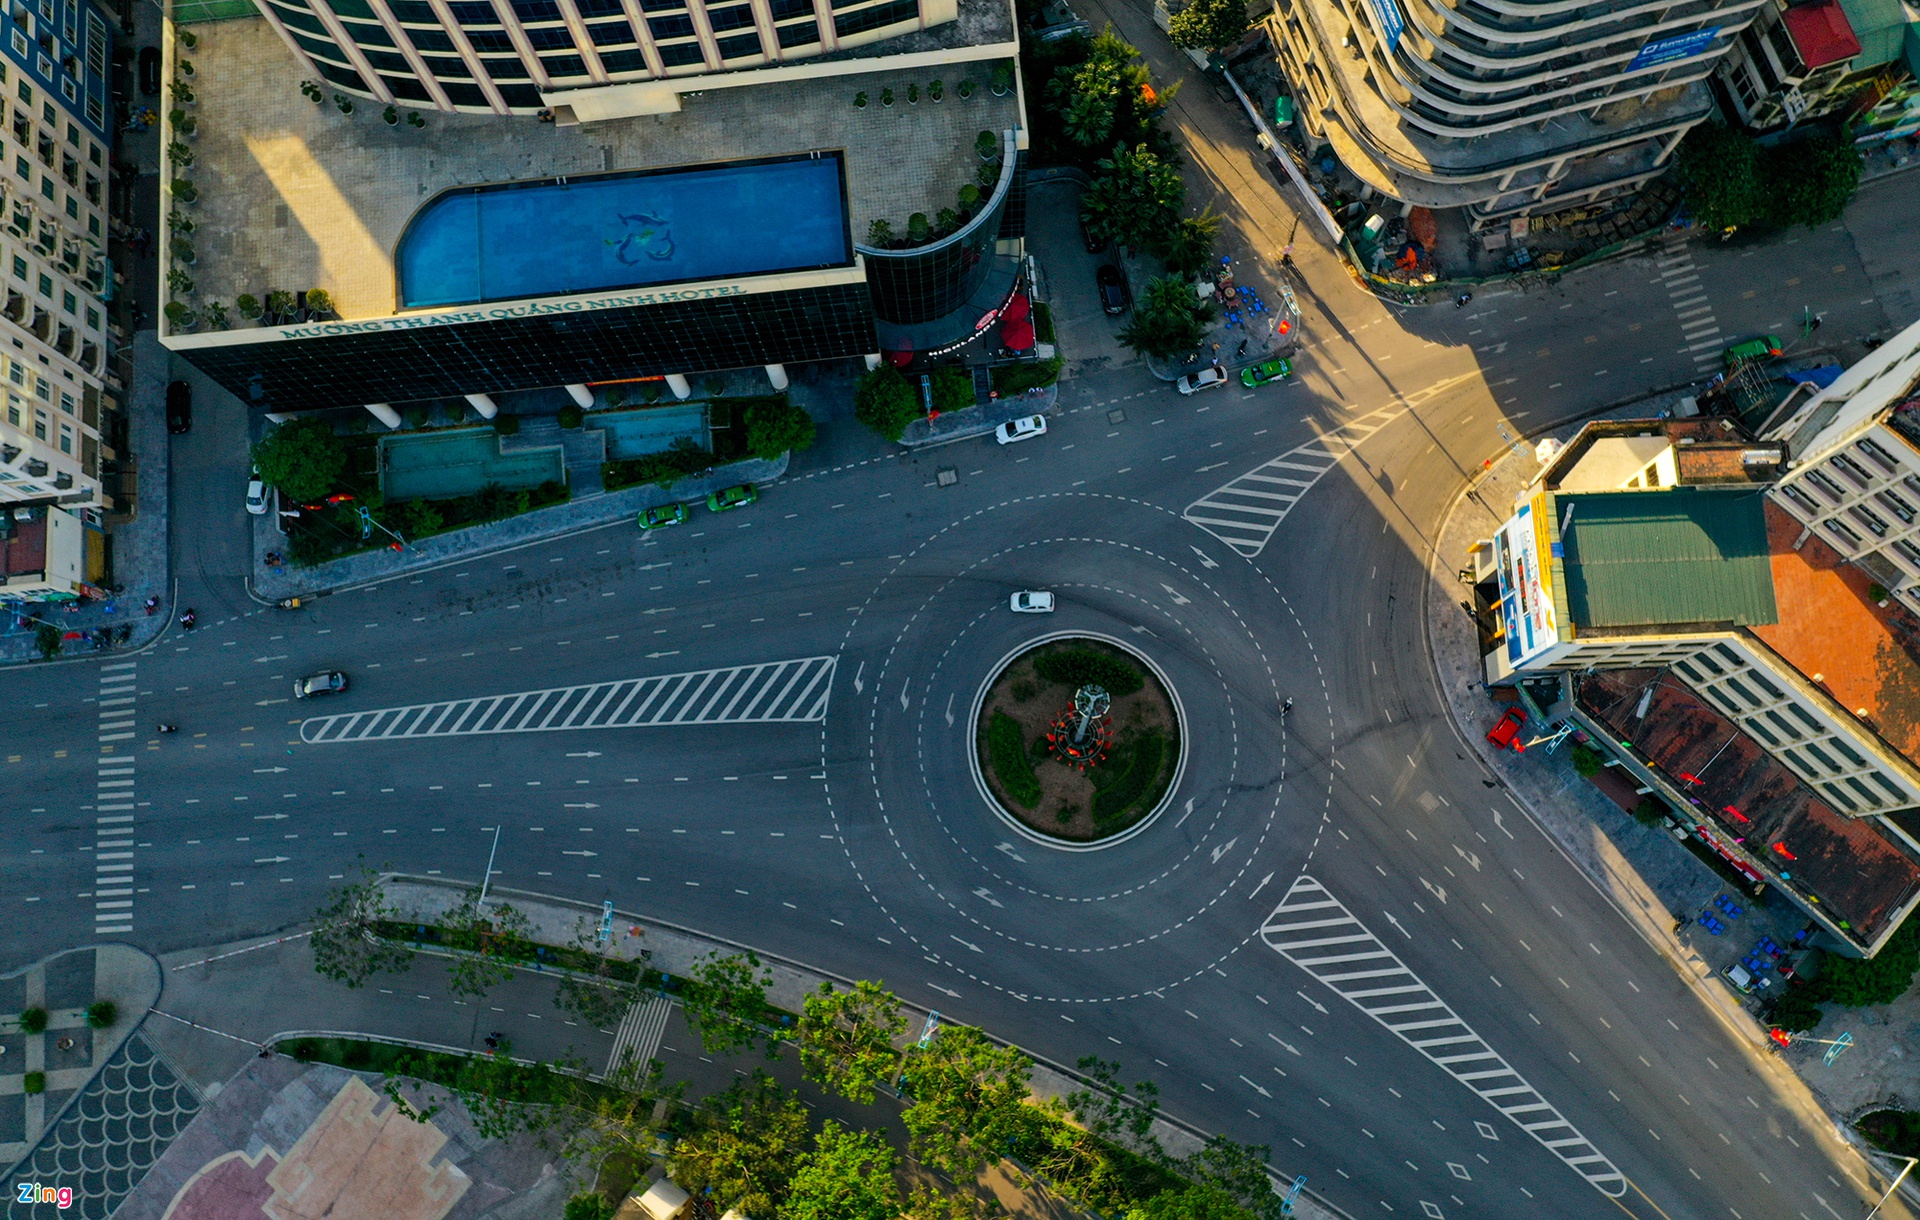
774 692
1245 512
640 1033
1315 931
1700 335
114 802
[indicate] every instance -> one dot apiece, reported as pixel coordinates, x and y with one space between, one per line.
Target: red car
1506 733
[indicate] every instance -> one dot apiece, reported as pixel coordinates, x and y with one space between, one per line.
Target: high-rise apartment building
1506 107
53 193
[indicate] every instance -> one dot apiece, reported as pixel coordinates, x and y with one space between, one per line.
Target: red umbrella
1017 335
900 360
1017 309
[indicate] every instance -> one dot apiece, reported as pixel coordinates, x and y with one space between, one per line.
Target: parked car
1204 379
1268 370
150 71
1114 297
326 682
1766 347
732 497
1095 245
1023 429
663 515
179 407
1032 601
256 495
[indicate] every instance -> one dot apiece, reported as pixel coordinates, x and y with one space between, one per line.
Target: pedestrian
1285 708
1815 324
1460 301
1241 350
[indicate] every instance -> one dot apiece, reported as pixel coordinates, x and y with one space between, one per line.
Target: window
13 411
407 88
564 65
803 34
599 8
878 16
740 46
679 26
1838 529
733 17
463 94
618 62
43 389
474 12
46 285
520 97
431 40
1825 486
346 78
611 33
69 302
19 267
66 438
560 39
536 10
73 135
444 66
93 318
24 168
1880 457
47 112
73 208
93 226
26 91
20 45
1792 733
17 372
46 187
489 40
93 153
683 54
304 22
387 61
422 12
40 425
1895 505
785 9
1851 469
505 69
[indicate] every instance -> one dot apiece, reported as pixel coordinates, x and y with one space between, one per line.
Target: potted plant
390 116
571 416
182 122
937 90
312 92
217 316
182 250
183 191
918 228
179 221
1002 80
186 67
947 221
179 316
1878 592
33 1020
319 302
880 234
988 175
279 304
248 305
101 1014
886 97
180 154
860 100
966 89
913 95
969 197
344 102
415 121
182 92
179 282
986 146
188 39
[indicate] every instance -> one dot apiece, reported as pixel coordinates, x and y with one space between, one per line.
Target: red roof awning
1017 308
1017 335
1821 33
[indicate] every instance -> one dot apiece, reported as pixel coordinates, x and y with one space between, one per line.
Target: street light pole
1911 1162
487 880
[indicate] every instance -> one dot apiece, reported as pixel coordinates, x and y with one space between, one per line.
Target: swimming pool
624 230
459 462
637 433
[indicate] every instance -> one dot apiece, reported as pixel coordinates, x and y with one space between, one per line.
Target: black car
150 71
1114 297
1095 245
179 407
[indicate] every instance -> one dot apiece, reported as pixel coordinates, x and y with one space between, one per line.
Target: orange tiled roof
1830 627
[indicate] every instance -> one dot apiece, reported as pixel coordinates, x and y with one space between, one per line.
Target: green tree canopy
885 401
726 1003
343 944
1135 199
846 1038
1169 320
1208 24
1731 181
301 457
775 426
487 944
1198 1201
746 1147
847 1176
1187 248
1099 98
969 1099
1811 179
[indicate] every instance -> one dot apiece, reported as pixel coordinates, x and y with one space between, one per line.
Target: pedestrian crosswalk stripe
1332 936
1243 514
774 692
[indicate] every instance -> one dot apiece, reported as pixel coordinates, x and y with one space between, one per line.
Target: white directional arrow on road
268 770
273 860
944 990
904 705
969 944
1008 848
1256 1088
585 754
1224 848
1205 559
1178 600
655 656
1283 1042
859 686
986 895
1309 999
950 711
583 805
1396 924
579 853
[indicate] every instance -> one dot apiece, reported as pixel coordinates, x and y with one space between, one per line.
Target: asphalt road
852 837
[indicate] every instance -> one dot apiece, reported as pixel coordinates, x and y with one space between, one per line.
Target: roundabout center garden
1078 740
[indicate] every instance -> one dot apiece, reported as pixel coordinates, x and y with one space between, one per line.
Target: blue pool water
632 434
615 231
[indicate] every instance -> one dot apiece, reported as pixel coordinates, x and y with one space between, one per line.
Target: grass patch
664 468
1008 753
1011 379
1895 1131
1078 666
1148 755
1043 322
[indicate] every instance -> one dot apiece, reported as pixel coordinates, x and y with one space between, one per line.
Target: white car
1032 601
1203 379
1023 429
256 496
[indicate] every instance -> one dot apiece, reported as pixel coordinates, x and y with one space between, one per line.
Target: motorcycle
288 603
187 620
153 605
166 728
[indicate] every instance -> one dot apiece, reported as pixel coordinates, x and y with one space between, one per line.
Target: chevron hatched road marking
1245 512
1315 931
771 693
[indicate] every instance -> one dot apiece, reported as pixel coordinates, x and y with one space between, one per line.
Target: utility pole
1911 1162
487 880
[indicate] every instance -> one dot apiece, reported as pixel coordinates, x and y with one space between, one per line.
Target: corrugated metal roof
1881 27
1684 555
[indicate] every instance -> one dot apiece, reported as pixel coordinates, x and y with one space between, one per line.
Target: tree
847 1176
969 1099
1108 1112
1810 180
487 945
603 996
616 1119
1187 248
775 427
726 1004
748 1144
846 1038
345 941
1198 1201
588 1205
1237 1171
1721 170
1882 979
1103 97
952 389
301 457
1209 24
1135 198
1169 320
885 402
46 640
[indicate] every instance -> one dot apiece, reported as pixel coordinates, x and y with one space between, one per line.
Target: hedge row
1142 769
1079 666
1007 749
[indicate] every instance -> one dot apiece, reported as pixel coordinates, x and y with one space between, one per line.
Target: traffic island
1078 741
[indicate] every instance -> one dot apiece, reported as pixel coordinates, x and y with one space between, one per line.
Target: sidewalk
368 567
1256 328
978 421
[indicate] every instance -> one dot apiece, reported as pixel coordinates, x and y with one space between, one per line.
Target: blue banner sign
1392 24
1670 50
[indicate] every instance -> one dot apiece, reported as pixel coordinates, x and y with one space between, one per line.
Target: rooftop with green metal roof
1665 558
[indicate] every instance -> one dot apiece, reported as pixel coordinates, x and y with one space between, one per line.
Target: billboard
1523 552
1392 24
1670 50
